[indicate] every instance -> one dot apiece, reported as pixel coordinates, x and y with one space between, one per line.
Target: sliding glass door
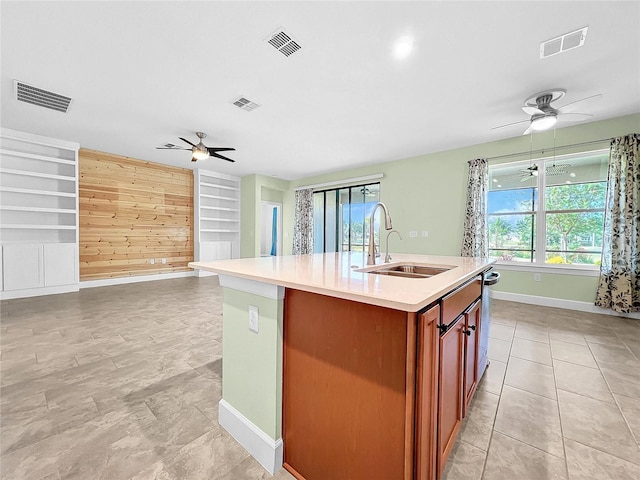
340 218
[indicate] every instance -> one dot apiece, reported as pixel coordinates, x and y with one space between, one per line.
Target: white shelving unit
38 214
216 216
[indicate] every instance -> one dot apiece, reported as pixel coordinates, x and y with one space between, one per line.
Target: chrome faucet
387 257
372 254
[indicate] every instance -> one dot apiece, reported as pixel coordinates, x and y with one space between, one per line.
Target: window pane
318 222
574 238
586 168
512 237
575 196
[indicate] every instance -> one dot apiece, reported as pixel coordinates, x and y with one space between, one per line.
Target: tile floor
123 382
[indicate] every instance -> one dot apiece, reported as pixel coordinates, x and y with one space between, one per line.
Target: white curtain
619 287
303 222
474 240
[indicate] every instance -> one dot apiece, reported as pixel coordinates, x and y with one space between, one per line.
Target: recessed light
572 174
495 180
499 186
568 182
403 47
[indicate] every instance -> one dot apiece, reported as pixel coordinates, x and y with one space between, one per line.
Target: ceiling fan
550 171
199 151
544 115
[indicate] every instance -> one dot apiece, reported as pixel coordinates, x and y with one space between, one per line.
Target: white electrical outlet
152 261
254 318
536 277
425 233
164 260
413 234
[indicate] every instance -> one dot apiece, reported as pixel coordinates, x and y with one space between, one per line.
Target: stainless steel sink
409 270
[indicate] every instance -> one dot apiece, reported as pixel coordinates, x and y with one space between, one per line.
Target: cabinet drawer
457 301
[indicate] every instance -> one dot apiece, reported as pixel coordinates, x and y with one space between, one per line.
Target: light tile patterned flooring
123 382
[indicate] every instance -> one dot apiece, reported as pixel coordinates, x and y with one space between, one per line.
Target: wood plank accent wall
132 211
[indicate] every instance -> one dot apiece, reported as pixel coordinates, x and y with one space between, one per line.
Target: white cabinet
22 265
38 213
60 264
217 216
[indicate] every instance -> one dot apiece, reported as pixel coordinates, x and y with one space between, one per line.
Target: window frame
339 219
538 263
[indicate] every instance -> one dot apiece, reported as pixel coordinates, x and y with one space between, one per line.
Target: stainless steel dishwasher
490 277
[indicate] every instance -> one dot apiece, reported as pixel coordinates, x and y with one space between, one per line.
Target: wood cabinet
372 392
426 388
472 326
348 389
451 373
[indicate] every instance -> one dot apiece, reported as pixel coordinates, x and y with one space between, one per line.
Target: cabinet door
59 264
471 351
450 394
22 266
427 393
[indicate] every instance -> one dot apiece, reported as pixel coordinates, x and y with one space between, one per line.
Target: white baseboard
37 292
134 279
559 303
260 446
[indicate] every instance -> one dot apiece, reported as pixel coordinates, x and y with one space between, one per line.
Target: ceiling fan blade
511 124
528 130
213 150
564 108
187 141
529 110
574 117
213 154
172 148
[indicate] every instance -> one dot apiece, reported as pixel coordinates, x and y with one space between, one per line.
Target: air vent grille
43 98
245 104
283 42
563 43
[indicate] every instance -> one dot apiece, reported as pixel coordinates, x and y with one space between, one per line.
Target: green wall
254 190
254 388
428 192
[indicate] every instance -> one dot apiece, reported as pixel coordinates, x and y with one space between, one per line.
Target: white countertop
334 274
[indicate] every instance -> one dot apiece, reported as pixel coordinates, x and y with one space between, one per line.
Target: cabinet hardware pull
467 332
472 327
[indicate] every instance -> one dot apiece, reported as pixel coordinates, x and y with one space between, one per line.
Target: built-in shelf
38 227
37 192
39 222
217 215
35 156
219 197
222 209
14 208
27 173
221 187
212 219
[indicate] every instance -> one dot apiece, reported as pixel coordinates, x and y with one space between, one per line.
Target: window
563 226
340 218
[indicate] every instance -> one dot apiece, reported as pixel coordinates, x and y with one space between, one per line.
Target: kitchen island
338 372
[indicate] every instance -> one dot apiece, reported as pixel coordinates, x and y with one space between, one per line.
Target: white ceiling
141 74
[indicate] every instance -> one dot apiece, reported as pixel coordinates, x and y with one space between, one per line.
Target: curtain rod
341 182
542 150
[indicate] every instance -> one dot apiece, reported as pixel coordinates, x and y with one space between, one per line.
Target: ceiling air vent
245 104
283 42
563 43
43 98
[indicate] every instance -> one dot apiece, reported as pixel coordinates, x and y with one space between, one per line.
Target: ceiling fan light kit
544 116
543 122
200 151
